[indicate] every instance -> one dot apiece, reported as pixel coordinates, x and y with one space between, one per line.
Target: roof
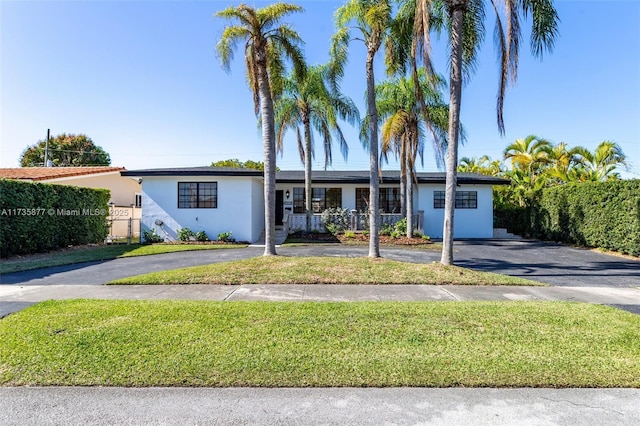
48 173
320 176
194 171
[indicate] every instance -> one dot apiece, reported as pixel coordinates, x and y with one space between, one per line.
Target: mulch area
359 238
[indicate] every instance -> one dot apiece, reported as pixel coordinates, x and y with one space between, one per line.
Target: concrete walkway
15 298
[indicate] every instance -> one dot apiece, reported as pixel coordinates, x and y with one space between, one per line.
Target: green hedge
38 217
593 214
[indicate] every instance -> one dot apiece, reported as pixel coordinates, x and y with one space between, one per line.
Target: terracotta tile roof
47 173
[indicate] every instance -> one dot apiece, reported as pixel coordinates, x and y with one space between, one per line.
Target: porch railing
358 221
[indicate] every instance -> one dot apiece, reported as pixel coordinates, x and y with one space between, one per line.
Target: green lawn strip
440 344
92 254
323 270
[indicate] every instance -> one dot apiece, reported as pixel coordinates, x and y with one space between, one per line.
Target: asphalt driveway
549 263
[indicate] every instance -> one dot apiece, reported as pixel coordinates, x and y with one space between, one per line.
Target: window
197 195
321 199
464 199
389 199
138 201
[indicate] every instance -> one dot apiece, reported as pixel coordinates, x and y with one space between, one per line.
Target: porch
358 221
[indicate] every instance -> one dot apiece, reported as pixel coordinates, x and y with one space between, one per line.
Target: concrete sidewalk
14 298
317 406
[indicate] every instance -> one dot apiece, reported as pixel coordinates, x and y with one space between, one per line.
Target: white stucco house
219 199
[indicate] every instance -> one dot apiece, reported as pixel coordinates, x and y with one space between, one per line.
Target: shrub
335 220
201 236
349 234
150 236
385 229
401 227
225 236
595 214
186 234
39 217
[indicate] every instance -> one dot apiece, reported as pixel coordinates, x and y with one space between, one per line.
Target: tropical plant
201 236
404 128
186 234
464 21
483 165
65 150
311 103
267 43
529 155
601 164
226 237
373 19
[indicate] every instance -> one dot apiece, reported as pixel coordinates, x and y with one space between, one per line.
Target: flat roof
317 176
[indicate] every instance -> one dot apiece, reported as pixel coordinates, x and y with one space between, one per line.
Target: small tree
65 151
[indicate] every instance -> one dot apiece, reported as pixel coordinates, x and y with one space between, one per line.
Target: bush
401 227
225 236
150 236
186 234
385 229
38 217
335 221
202 236
349 234
595 214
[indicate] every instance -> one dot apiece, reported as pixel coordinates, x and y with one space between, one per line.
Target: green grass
91 254
323 270
188 343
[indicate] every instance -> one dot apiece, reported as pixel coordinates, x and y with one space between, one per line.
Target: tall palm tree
373 19
267 43
404 127
310 103
464 20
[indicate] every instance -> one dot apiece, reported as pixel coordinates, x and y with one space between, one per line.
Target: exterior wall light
287 194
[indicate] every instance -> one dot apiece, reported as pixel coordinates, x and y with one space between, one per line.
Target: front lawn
323 270
98 253
188 343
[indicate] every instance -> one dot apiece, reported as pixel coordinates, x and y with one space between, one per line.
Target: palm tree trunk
456 9
374 184
403 180
307 171
269 151
409 186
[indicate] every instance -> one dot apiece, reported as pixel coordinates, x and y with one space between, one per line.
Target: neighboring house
126 193
218 199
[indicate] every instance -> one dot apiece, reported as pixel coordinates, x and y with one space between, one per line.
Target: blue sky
142 80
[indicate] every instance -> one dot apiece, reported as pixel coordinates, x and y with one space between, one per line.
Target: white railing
358 221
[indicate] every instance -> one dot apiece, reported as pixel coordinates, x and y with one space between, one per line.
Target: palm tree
267 42
464 20
373 19
530 155
600 165
404 128
309 103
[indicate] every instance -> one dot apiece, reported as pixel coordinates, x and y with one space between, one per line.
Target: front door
279 207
